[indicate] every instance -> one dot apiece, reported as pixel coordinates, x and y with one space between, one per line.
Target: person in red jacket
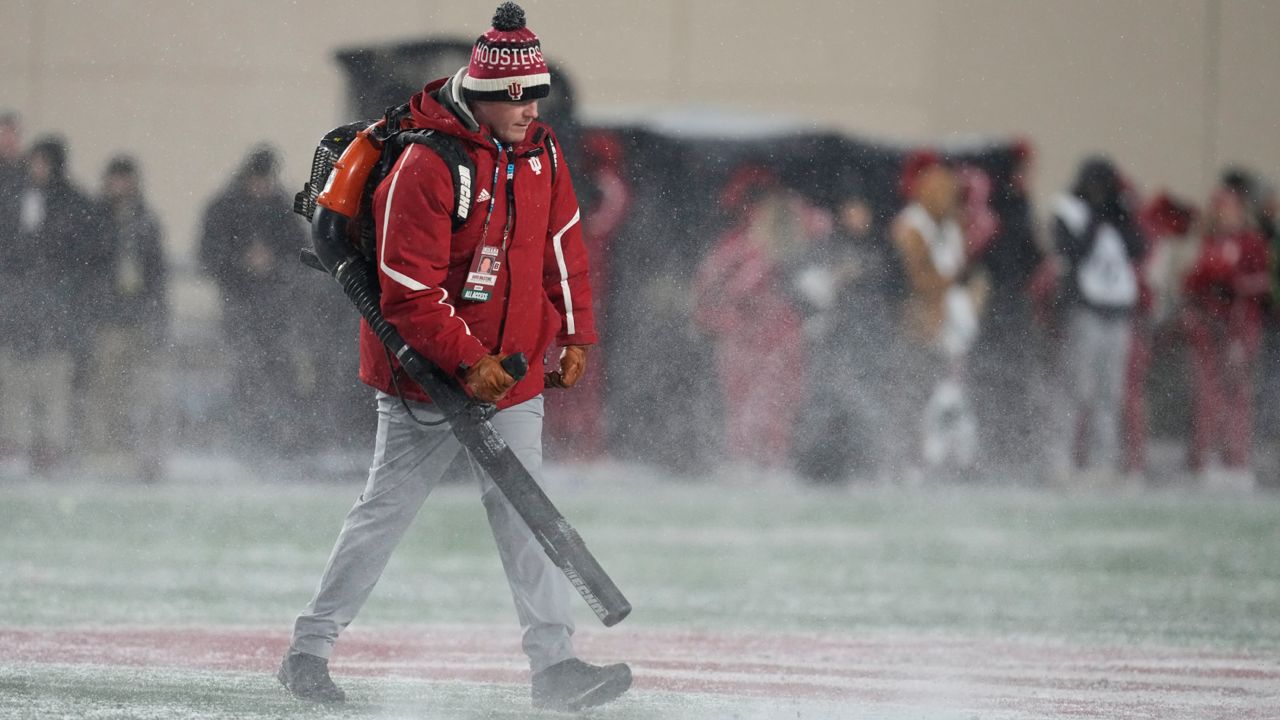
576 421
1166 223
525 229
742 300
1227 289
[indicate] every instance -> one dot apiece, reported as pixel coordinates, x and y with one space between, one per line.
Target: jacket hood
440 106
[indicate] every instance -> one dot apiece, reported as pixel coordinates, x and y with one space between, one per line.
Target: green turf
1169 567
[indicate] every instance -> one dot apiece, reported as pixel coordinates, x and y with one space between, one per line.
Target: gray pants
408 462
1097 357
35 400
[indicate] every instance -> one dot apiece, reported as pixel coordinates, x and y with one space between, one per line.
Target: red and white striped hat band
506 62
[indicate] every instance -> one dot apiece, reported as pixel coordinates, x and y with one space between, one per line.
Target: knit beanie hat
506 62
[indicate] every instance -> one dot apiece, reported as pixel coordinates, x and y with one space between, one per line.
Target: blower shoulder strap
462 169
546 141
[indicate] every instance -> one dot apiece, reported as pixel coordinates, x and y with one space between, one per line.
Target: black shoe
573 685
307 677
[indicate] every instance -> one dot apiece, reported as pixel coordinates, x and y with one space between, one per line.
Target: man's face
938 191
1231 212
121 185
10 141
509 121
258 186
855 216
39 170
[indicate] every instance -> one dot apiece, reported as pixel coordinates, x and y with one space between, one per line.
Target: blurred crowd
942 339
84 287
946 341
87 360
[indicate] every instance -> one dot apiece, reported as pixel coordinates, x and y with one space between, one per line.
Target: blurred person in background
13 174
575 425
1166 223
1263 202
742 300
250 248
1004 362
940 321
1269 212
1227 289
843 284
1097 238
12 178
59 229
1268 219
131 317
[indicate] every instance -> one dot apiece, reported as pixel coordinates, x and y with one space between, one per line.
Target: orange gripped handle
350 173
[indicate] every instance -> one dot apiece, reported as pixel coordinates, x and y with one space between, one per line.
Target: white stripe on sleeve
564 273
396 275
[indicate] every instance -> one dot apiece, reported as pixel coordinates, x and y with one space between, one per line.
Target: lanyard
488 259
511 199
493 195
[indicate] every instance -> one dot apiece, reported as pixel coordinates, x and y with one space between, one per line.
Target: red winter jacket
542 293
1229 280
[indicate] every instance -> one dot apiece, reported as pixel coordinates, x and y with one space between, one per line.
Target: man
131 323
946 292
249 246
57 223
740 294
845 293
1003 364
576 426
1227 292
12 178
527 218
11 170
1097 236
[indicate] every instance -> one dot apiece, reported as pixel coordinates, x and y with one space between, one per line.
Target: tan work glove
487 380
573 365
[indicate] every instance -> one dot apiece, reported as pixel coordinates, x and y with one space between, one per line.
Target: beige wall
1170 88
1173 90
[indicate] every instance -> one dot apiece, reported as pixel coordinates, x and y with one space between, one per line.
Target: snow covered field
752 600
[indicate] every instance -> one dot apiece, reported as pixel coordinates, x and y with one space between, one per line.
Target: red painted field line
817 668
